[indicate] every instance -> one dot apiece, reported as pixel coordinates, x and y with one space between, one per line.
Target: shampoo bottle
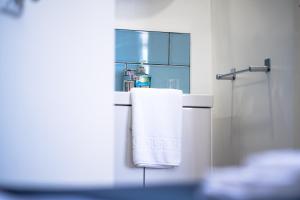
143 80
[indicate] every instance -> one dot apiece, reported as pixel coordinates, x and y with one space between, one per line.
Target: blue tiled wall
135 46
119 67
161 75
167 56
180 49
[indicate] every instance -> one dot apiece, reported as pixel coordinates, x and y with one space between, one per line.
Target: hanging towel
156 127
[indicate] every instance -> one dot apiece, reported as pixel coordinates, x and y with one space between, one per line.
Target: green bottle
142 80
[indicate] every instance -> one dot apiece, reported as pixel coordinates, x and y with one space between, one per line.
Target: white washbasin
189 100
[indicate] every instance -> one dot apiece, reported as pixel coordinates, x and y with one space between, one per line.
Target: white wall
56 105
297 75
192 16
258 111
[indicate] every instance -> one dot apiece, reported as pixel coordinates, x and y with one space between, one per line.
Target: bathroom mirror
165 57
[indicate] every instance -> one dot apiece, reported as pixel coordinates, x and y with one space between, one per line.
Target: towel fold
156 127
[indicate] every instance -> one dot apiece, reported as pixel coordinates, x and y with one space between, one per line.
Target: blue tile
180 49
162 75
135 46
118 76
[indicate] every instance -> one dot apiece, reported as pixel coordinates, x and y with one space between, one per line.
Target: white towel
156 127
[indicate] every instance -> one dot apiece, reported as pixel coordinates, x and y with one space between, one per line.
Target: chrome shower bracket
233 72
230 76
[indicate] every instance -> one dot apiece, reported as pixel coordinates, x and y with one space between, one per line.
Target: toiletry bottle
143 80
129 76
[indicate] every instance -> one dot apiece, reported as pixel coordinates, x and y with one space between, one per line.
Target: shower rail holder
233 72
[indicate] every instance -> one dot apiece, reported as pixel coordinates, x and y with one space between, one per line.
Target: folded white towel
156 127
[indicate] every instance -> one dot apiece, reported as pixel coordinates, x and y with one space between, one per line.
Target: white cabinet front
125 172
196 150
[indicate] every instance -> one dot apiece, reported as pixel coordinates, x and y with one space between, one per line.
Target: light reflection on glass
145 42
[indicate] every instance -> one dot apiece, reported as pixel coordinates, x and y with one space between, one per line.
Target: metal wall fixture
233 72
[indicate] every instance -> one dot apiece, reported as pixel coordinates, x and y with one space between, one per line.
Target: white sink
189 100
